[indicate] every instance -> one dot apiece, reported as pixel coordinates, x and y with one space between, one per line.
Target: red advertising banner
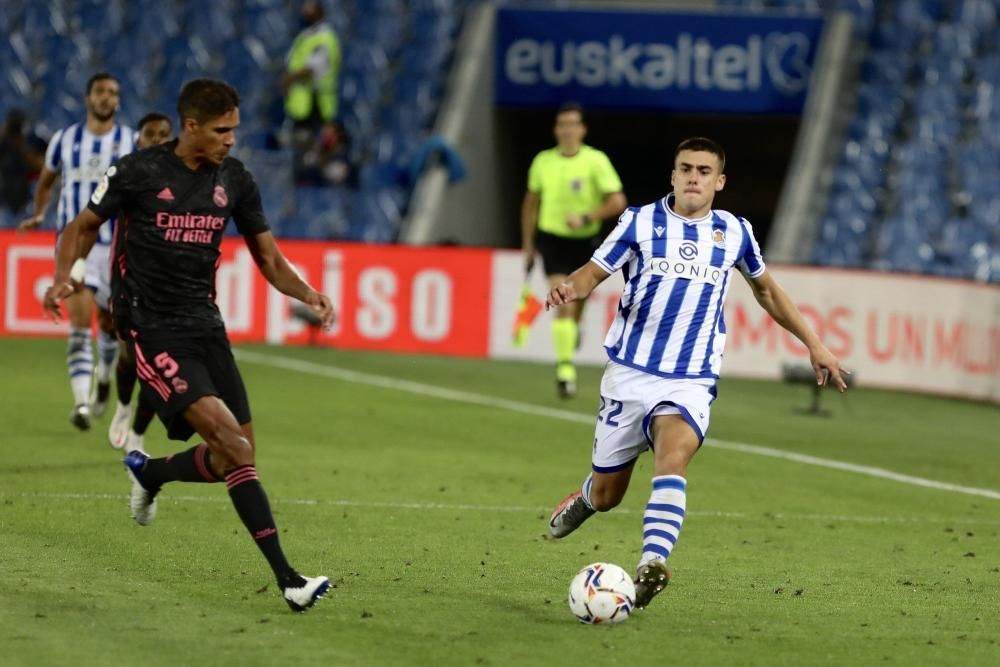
895 331
386 297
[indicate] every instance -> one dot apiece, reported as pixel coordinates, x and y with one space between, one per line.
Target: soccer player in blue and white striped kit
665 347
82 153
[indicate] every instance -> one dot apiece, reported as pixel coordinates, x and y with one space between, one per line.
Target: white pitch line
421 389
512 509
871 471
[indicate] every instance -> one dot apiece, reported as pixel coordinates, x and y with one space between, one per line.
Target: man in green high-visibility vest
572 189
310 86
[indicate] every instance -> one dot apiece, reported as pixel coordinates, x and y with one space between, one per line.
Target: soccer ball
601 593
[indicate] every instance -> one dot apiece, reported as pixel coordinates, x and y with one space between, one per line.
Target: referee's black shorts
564 255
178 369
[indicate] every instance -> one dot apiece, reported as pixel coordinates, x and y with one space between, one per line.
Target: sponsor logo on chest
685 269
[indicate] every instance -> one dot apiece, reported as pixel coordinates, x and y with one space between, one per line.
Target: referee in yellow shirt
572 189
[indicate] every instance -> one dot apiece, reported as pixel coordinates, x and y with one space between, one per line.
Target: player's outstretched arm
285 278
578 285
74 245
42 191
782 309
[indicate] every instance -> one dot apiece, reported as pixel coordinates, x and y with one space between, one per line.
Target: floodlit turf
430 516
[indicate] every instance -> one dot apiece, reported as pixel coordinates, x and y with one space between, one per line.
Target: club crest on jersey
576 185
219 197
719 238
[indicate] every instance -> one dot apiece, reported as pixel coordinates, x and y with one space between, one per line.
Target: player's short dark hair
703 144
205 99
152 117
100 76
570 107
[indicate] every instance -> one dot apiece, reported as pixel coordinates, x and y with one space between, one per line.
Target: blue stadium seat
319 213
359 83
918 13
157 22
10 16
7 219
274 27
16 82
373 222
212 21
15 51
37 20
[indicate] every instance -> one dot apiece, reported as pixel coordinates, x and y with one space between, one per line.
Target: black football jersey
171 220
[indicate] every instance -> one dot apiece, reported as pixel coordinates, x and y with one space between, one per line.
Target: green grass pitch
428 510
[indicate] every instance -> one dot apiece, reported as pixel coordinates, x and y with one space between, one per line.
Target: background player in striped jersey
665 347
153 129
572 189
82 153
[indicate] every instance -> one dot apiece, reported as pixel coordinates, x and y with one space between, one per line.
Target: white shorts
98 274
630 399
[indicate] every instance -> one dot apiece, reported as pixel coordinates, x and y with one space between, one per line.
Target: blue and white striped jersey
670 320
82 158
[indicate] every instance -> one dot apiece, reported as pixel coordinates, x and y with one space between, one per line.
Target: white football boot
121 423
301 598
141 501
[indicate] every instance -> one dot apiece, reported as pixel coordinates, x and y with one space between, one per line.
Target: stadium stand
915 187
396 55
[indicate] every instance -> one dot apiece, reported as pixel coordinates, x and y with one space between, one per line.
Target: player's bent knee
233 446
606 499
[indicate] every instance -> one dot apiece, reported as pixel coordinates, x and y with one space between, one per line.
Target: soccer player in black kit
174 202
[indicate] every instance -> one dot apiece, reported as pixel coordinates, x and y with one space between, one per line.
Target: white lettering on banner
234 291
521 57
792 77
680 268
430 313
690 62
333 287
376 318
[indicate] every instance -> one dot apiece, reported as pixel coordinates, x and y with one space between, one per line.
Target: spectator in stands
572 189
21 157
310 88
